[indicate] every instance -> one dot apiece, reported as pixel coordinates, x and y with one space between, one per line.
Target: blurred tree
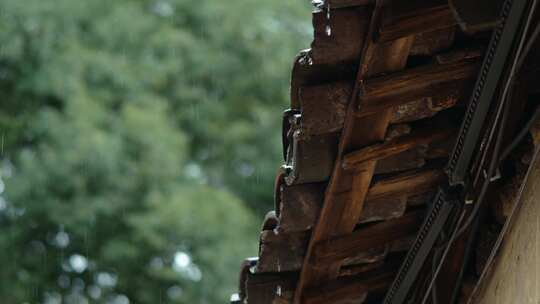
133 136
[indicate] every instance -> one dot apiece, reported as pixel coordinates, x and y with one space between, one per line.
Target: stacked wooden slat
376 104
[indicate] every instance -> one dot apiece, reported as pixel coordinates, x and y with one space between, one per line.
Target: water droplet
174 292
94 292
78 263
181 260
328 30
106 279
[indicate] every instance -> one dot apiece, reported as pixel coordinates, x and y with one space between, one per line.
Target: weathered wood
348 27
306 73
324 107
408 183
312 158
413 85
415 158
412 94
263 288
386 199
431 16
429 43
300 206
470 52
379 234
340 213
395 146
407 160
349 290
390 56
279 252
284 252
352 270
383 209
420 199
448 97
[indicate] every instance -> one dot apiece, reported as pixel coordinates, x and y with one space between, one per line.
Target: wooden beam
416 84
379 234
348 25
412 94
383 209
324 107
300 206
429 43
387 198
339 213
353 289
417 21
465 53
409 183
262 288
392 147
285 252
281 252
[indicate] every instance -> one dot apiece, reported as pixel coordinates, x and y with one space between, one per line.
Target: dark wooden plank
280 252
340 214
262 288
416 84
413 94
300 206
408 183
383 209
386 199
429 43
285 252
416 21
379 234
348 26
469 52
324 107
352 289
392 147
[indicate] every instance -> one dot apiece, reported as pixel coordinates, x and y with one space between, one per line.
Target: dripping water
328 28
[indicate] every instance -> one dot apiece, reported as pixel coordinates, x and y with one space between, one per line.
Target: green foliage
138 140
